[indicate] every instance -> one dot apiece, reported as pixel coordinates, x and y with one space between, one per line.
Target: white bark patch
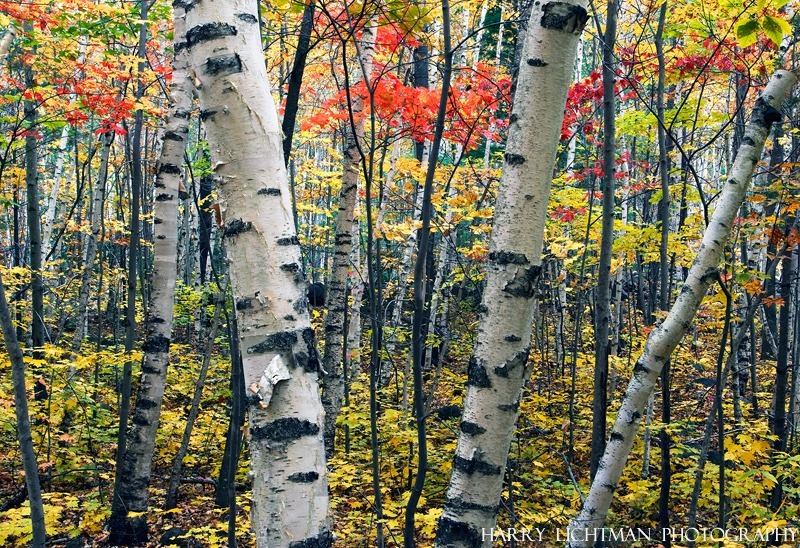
275 372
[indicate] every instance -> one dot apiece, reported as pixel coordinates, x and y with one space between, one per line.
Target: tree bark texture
603 302
23 422
134 484
290 493
332 365
663 340
498 367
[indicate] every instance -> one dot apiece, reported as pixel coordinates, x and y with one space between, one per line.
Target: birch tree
664 338
333 379
290 492
132 490
498 367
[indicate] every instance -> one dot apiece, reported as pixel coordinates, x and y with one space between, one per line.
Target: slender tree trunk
336 302
23 422
224 495
120 534
90 247
663 340
132 488
418 328
664 270
290 494
498 367
782 374
296 80
34 220
603 302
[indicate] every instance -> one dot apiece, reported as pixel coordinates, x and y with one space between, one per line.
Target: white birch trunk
5 44
498 367
134 479
332 366
663 340
290 491
90 248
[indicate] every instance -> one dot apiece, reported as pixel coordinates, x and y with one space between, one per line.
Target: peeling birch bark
132 489
498 367
290 492
663 340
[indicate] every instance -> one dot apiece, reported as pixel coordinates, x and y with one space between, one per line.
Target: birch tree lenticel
290 491
664 338
498 367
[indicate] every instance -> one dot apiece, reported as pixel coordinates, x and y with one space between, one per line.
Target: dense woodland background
83 108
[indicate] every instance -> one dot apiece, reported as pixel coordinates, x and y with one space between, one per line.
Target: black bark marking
564 17
304 477
308 361
223 65
140 419
616 436
155 319
511 407
282 341
476 374
747 140
164 197
515 159
518 360
511 338
639 367
460 506
454 533
524 283
473 465
173 136
182 113
323 540
145 404
207 114
169 168
150 370
635 416
483 309
155 344
292 240
289 318
508 257
247 17
772 115
269 191
209 31
157 221
471 429
235 227
534 62
244 303
300 305
513 119
290 267
283 430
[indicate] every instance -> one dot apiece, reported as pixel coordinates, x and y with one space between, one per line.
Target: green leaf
774 30
746 32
